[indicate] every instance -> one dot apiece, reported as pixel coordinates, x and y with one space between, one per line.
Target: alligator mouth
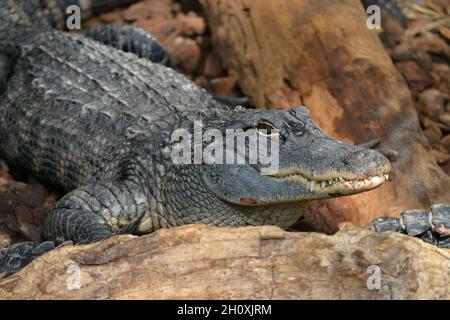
327 183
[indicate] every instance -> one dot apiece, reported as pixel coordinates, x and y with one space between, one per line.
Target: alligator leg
95 212
432 227
85 215
131 39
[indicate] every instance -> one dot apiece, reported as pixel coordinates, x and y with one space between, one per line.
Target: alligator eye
266 128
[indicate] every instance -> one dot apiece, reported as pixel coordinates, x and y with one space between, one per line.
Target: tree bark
201 262
321 54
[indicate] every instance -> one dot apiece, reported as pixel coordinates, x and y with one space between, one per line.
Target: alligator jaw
334 185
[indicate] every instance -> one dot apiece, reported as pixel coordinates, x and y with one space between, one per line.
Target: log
202 262
321 54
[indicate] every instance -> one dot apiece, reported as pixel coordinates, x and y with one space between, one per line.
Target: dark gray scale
440 218
444 243
386 224
432 227
416 222
16 256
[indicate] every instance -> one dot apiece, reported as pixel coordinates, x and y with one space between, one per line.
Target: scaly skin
97 122
431 226
77 112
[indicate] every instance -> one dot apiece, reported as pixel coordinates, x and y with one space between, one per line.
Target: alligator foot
85 215
96 212
131 39
17 256
431 226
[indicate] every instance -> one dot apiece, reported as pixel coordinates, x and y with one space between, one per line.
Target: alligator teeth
348 184
312 185
368 183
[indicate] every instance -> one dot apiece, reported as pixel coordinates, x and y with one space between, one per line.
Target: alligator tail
431 226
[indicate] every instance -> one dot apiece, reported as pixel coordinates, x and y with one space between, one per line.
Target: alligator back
74 109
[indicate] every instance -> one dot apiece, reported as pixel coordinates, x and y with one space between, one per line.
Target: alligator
98 123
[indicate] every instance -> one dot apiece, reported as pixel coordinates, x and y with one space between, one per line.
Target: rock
49 201
431 103
444 31
29 222
445 119
440 157
213 67
443 70
202 81
148 9
446 142
19 194
432 44
393 30
111 17
403 52
432 125
191 24
224 86
5 239
5 174
187 52
33 195
159 26
446 167
432 131
417 78
444 88
443 4
201 262
176 7
433 138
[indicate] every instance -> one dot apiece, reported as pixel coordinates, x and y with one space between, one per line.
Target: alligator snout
366 163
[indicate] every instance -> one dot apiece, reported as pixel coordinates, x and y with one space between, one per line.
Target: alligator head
310 165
